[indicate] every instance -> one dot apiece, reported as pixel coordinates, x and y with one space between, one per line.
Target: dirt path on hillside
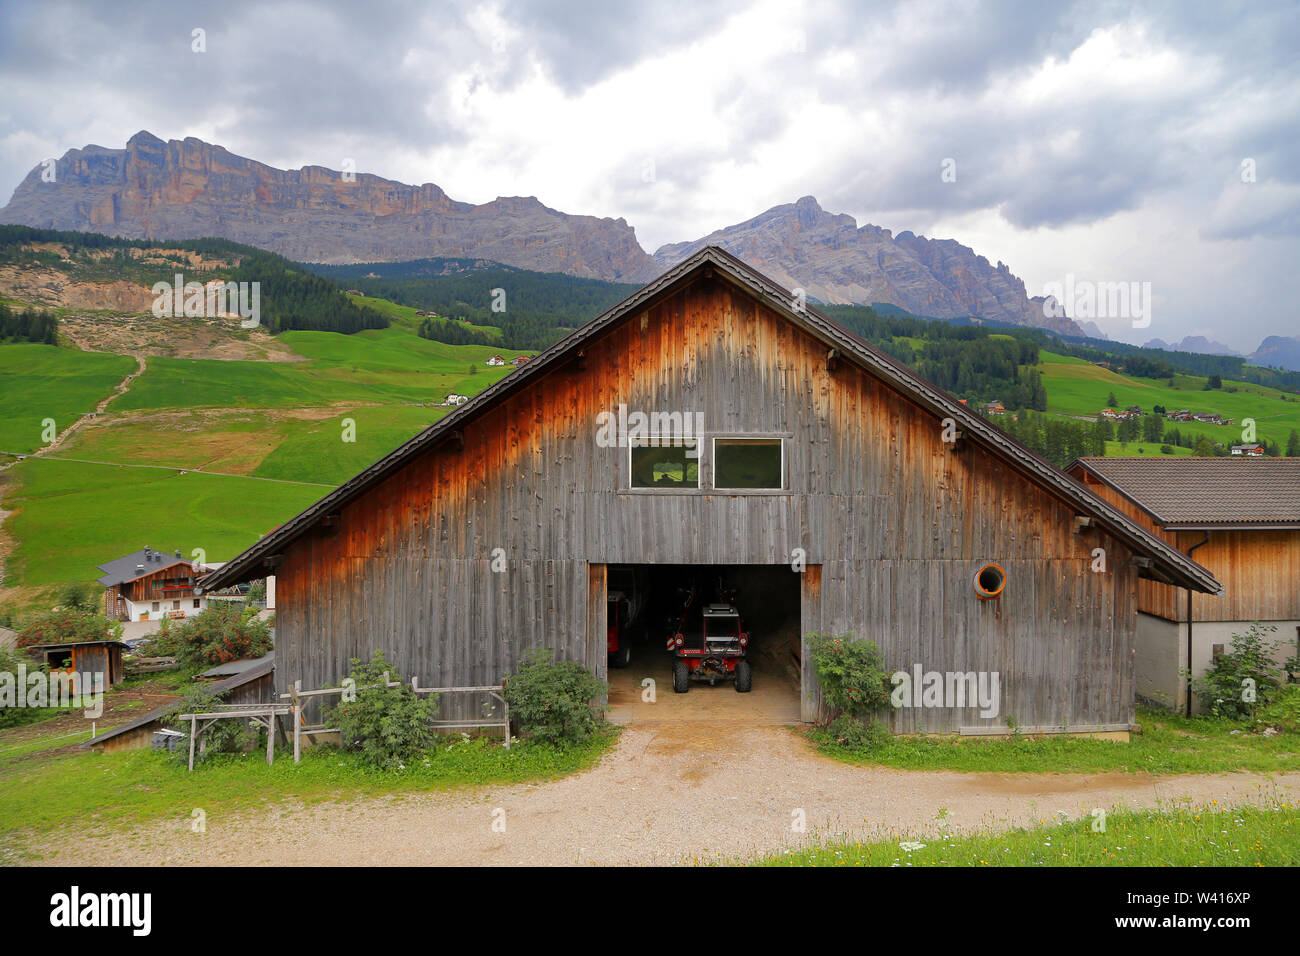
119 389
668 793
72 429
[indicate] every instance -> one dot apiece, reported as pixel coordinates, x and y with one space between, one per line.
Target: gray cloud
297 83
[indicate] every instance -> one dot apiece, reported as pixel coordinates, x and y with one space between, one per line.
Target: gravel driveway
667 793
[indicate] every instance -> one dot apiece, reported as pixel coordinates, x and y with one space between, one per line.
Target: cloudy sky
1100 140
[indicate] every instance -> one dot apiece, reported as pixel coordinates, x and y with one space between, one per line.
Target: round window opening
989 582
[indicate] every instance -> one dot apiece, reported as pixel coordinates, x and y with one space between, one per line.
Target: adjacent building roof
257 668
1167 563
129 568
235 667
1206 492
68 645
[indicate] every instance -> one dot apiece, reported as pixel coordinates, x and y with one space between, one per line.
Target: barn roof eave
1181 569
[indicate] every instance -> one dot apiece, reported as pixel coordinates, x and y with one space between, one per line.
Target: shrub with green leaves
852 675
555 702
17 716
1282 712
80 596
219 737
67 626
385 726
224 632
858 733
1247 665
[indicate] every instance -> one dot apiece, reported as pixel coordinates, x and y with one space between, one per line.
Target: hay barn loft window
748 463
665 465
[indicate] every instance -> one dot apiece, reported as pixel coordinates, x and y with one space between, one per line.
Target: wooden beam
1081 522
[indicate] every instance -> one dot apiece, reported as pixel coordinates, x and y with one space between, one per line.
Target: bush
851 673
385 726
554 702
1282 712
67 626
79 596
219 737
1222 689
858 734
16 716
224 632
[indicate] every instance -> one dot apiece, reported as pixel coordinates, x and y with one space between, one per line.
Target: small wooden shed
84 657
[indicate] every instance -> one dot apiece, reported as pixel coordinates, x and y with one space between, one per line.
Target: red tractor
712 652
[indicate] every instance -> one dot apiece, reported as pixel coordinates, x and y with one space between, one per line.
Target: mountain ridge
177 189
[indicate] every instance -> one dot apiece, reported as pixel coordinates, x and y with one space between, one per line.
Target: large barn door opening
647 606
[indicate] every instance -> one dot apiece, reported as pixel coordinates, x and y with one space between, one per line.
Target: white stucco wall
1161 653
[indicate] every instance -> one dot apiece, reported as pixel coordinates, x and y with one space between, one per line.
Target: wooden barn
1240 518
824 479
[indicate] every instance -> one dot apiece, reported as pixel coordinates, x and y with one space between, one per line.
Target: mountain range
1192 343
175 189
181 189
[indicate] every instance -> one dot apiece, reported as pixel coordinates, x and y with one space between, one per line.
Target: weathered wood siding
1153 597
894 521
1259 570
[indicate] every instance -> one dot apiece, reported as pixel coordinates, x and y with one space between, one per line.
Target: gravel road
667 793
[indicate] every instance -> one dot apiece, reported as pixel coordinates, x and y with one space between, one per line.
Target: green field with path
45 381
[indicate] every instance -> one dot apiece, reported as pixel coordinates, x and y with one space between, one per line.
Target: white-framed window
155 606
176 605
748 463
664 464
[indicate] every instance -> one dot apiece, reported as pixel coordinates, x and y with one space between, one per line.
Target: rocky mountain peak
189 188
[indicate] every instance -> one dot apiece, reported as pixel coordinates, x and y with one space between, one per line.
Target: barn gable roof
1166 562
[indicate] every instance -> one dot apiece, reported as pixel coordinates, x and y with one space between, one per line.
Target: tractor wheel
681 677
744 677
621 657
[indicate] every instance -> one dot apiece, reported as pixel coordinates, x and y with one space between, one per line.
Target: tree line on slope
290 297
532 309
28 325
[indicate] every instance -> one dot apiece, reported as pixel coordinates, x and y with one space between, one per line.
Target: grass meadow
1077 387
274 420
44 381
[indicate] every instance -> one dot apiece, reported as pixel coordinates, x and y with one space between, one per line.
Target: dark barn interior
768 600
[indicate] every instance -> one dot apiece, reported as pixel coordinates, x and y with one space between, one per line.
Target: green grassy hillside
70 517
1076 387
274 431
44 381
